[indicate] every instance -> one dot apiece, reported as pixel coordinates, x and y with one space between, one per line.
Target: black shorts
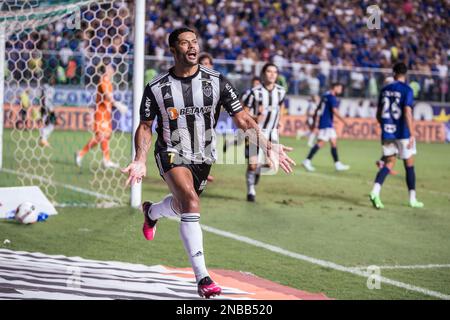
166 161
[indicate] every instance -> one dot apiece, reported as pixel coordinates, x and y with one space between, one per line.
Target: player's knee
409 162
390 162
190 202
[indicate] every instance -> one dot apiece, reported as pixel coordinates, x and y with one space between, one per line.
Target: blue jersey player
394 115
325 113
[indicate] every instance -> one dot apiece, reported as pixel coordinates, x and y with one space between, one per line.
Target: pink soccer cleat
149 227
208 288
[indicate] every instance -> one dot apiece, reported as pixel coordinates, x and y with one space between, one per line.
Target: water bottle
42 217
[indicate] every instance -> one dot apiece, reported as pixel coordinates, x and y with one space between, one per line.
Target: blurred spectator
415 86
319 35
373 87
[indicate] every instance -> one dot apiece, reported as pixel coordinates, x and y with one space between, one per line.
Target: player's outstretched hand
136 171
281 158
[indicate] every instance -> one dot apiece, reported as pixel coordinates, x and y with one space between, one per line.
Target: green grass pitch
324 215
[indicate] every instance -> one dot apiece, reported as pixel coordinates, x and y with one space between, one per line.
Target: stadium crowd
313 43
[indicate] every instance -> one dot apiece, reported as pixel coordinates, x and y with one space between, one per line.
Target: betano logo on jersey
174 113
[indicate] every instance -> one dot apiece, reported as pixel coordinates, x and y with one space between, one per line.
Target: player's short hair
400 68
173 37
266 66
256 78
336 84
205 55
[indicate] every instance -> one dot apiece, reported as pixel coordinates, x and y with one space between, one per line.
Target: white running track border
323 263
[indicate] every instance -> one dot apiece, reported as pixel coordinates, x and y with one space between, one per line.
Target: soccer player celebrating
186 101
265 104
47 112
205 59
394 114
325 113
102 119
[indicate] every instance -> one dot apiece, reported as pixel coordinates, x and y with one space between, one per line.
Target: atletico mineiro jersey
187 110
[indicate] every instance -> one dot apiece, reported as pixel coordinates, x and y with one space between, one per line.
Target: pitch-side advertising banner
74 110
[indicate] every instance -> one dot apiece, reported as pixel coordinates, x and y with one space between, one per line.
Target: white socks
190 233
376 189
46 130
311 140
163 208
412 196
192 236
251 176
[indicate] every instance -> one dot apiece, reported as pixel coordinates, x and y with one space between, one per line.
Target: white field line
66 186
322 263
417 266
370 183
319 262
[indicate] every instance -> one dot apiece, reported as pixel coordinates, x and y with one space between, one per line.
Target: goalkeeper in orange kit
103 118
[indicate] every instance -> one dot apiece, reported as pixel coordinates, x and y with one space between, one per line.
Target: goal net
67 100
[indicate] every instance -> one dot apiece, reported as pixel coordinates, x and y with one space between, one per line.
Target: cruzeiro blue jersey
393 100
327 104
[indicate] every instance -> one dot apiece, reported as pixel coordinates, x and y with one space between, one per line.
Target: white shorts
327 134
399 148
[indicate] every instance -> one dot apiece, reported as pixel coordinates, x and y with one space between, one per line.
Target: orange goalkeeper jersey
103 112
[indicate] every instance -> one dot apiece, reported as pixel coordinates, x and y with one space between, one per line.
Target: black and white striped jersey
268 103
246 96
187 110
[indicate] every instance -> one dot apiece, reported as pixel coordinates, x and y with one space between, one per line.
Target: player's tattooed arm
245 122
143 140
275 152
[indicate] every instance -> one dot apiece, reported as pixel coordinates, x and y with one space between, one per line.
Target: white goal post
33 17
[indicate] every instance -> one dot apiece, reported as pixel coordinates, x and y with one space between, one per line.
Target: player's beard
186 61
191 62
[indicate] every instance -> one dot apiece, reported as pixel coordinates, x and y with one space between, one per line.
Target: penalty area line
60 184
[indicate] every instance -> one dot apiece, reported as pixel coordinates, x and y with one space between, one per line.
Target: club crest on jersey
207 90
172 113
